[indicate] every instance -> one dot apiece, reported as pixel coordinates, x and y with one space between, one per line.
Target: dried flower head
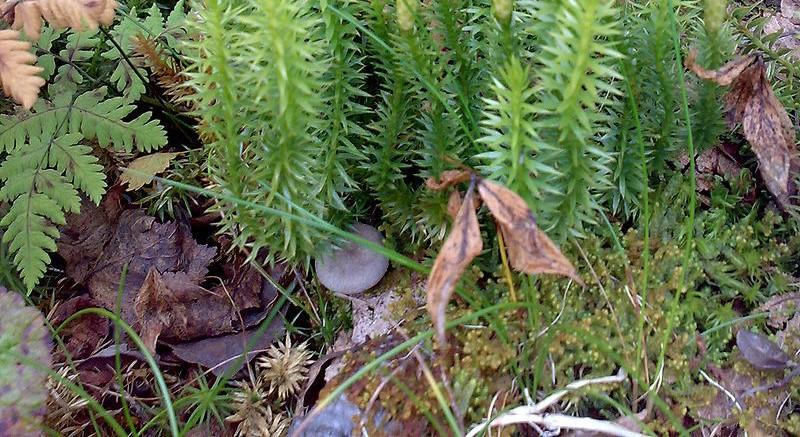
253 417
285 367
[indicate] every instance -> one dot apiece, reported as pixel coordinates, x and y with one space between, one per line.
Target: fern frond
19 77
80 47
76 14
89 114
80 166
577 60
129 71
40 195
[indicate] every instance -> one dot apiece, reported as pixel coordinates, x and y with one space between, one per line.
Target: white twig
730 395
559 421
532 413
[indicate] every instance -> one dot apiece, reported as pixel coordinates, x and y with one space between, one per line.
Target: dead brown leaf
529 250
454 204
163 295
765 123
81 336
220 353
462 245
447 179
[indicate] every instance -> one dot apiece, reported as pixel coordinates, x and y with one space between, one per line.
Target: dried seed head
253 417
285 367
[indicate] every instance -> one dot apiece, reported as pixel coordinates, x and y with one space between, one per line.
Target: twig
559 421
532 413
727 393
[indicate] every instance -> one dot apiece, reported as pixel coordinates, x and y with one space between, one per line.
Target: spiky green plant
577 58
258 78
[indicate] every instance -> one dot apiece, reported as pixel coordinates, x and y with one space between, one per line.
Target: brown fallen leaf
173 302
454 204
447 179
151 165
529 250
81 336
765 123
462 245
220 353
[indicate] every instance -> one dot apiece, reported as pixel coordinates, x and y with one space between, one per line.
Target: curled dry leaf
19 77
462 245
447 179
150 165
454 204
76 14
529 250
765 123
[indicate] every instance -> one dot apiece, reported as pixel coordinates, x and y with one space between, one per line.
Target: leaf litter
165 293
529 250
765 123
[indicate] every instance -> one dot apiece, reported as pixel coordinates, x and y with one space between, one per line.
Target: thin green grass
164 392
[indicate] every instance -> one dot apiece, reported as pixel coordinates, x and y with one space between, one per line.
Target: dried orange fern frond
19 77
168 76
76 14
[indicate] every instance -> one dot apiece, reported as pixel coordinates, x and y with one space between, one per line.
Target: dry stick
533 413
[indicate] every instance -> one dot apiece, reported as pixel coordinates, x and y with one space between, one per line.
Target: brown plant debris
221 353
80 15
529 250
766 124
82 336
462 245
19 77
169 77
141 170
163 294
447 179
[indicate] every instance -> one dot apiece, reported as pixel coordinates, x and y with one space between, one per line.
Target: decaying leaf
454 204
81 336
151 165
220 353
24 360
761 352
462 245
19 77
447 179
529 250
76 14
765 123
725 75
165 294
